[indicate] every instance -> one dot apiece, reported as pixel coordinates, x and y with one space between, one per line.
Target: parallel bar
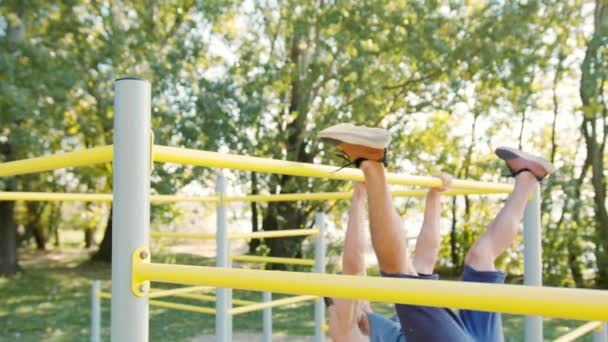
157 293
51 196
237 162
272 304
321 196
106 295
95 312
579 332
182 235
131 205
213 298
328 196
182 307
91 156
273 260
533 264
581 304
274 234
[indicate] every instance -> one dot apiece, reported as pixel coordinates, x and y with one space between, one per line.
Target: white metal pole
320 268
267 318
601 335
95 312
131 205
533 266
221 240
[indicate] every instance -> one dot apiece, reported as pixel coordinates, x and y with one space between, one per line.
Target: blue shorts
425 323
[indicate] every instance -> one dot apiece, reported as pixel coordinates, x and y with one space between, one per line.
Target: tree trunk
89 238
104 253
454 252
254 243
8 239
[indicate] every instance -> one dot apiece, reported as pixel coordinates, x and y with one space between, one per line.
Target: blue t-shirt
382 329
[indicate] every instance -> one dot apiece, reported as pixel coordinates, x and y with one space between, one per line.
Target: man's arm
429 239
353 255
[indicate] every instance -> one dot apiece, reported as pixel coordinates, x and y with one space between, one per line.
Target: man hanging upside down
353 320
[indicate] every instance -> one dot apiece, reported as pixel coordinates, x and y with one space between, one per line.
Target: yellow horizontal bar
271 304
579 332
581 304
50 196
90 156
182 307
157 293
212 298
329 196
237 162
321 196
104 295
182 235
272 260
274 234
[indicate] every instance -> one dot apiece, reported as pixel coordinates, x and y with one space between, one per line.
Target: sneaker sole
364 136
507 153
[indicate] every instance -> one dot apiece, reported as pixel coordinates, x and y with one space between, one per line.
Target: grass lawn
50 301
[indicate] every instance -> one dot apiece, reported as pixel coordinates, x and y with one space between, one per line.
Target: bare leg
429 239
388 235
503 229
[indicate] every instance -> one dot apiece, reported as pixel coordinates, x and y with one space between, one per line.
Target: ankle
371 166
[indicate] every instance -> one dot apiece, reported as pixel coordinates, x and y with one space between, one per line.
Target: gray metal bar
221 240
601 336
320 268
131 205
533 266
95 312
267 318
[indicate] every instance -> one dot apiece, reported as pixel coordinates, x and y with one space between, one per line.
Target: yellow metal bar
156 293
212 298
335 196
321 196
274 234
182 307
104 295
272 304
90 156
50 196
579 332
231 161
182 235
273 260
581 304
175 198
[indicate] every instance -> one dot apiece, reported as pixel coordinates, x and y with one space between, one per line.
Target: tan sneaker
357 143
518 161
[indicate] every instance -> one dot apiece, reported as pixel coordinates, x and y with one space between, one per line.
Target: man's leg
388 235
504 228
479 266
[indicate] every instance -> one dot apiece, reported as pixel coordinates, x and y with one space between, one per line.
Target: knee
480 257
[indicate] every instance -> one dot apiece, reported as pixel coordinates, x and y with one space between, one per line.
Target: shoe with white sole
358 143
518 161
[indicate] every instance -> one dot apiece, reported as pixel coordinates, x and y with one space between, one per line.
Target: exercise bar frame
132 159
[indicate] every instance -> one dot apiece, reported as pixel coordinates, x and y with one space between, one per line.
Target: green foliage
450 80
